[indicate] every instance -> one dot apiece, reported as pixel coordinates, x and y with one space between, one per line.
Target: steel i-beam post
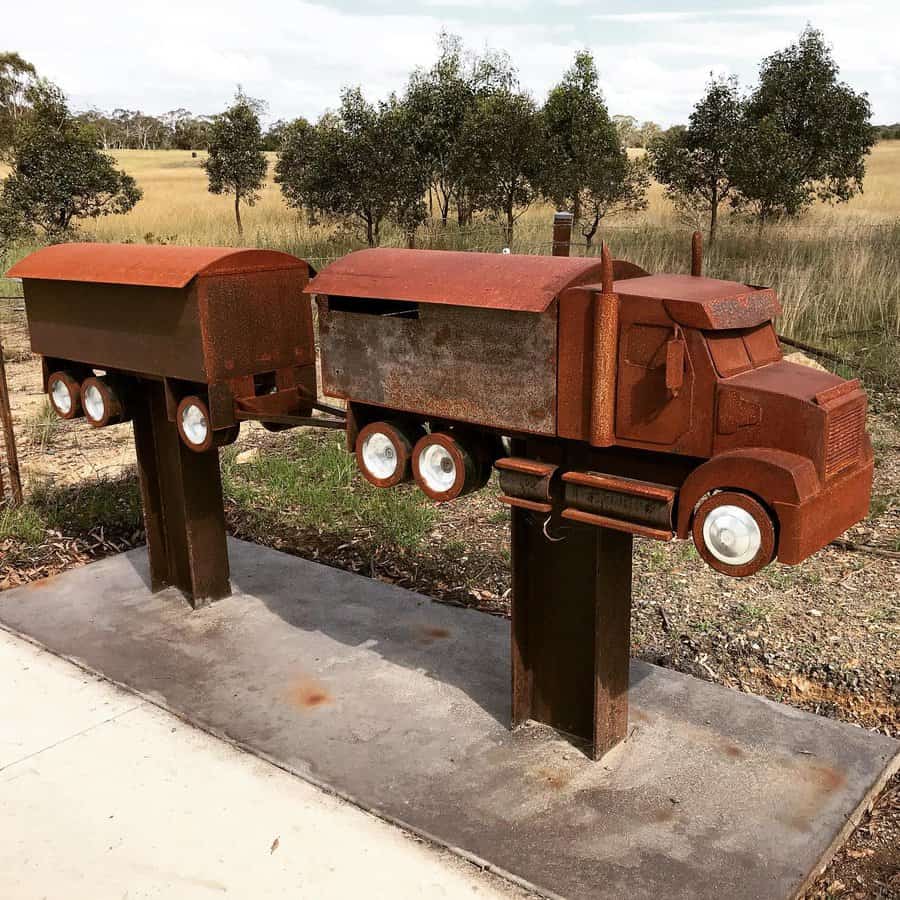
571 612
183 507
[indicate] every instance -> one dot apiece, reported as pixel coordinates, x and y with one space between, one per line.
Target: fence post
562 233
9 438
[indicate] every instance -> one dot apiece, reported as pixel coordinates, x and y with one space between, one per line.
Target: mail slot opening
401 309
264 383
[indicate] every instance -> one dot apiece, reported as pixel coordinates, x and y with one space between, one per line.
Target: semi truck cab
701 373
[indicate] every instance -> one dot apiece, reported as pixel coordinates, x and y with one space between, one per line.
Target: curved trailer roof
146 265
487 280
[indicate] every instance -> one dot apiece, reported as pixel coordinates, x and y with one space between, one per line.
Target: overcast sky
653 56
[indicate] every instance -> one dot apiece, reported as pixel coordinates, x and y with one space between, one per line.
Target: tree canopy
800 135
236 163
17 75
805 134
58 175
356 163
463 138
696 163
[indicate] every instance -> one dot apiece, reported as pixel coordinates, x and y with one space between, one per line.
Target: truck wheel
102 402
64 394
384 452
446 466
734 533
192 419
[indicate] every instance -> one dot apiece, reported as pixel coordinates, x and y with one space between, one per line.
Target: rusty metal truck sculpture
668 394
653 404
611 402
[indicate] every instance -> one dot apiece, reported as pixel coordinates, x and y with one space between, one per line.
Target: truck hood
786 378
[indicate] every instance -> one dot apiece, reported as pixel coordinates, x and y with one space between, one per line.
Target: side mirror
675 351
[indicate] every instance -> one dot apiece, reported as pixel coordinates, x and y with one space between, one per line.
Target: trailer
226 331
658 405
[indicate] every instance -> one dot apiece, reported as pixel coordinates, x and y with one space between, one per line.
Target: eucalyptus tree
236 163
58 176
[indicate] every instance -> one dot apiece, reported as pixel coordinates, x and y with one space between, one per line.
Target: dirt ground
821 636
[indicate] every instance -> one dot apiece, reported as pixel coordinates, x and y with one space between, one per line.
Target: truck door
646 409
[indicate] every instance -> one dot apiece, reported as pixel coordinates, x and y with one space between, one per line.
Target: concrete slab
142 805
401 704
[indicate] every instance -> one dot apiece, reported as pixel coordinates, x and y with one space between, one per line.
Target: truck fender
773 476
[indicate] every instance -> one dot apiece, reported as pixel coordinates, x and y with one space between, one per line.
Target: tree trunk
444 205
713 214
510 222
589 234
576 208
237 214
461 212
370 231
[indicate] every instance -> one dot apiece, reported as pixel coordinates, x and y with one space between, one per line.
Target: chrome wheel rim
732 535
61 397
194 424
379 455
94 404
437 468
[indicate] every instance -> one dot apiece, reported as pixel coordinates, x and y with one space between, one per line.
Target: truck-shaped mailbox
654 404
659 405
223 329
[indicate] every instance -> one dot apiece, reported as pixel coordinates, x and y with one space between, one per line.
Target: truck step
586 518
527 483
625 504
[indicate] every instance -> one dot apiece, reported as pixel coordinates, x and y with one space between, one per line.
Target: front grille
845 430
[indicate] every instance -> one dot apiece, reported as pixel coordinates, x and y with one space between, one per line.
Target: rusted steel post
605 357
697 254
9 438
562 233
183 507
571 612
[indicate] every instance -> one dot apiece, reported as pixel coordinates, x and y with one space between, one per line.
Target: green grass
311 482
24 524
44 426
73 511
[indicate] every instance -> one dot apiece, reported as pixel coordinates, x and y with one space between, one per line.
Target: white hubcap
732 535
60 397
194 424
93 403
379 455
437 468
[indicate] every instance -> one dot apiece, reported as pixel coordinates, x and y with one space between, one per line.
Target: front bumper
811 525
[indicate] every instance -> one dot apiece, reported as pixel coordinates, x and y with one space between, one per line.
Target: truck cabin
725 385
679 336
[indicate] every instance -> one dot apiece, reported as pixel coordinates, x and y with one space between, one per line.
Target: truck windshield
737 350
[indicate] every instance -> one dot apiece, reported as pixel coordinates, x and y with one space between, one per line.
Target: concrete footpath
103 795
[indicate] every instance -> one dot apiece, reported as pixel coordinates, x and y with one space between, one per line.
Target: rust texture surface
199 314
151 330
706 303
486 280
562 233
696 254
255 322
147 265
605 356
491 367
